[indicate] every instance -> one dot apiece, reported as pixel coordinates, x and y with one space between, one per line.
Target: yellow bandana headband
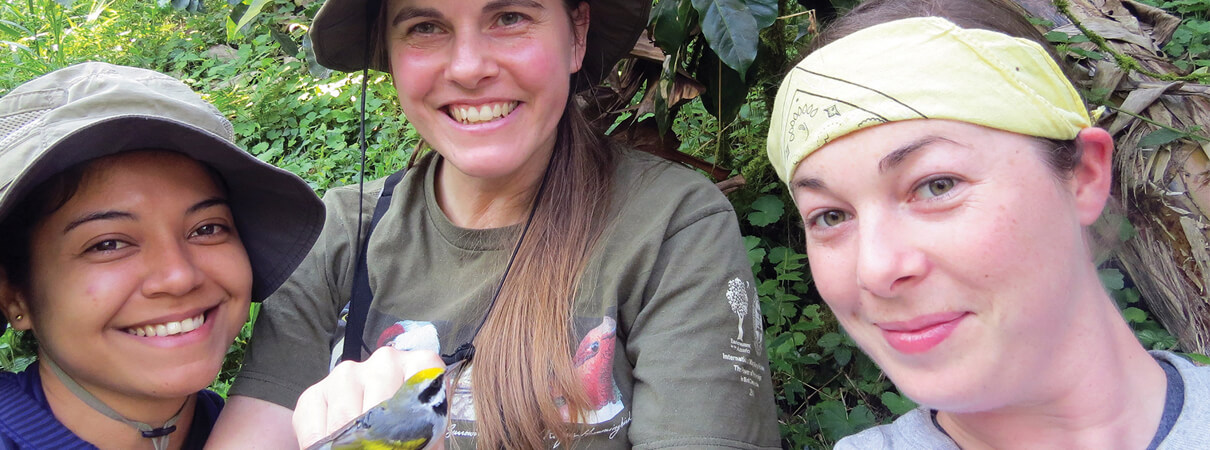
920 68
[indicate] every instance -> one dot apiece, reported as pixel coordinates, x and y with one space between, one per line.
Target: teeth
170 328
485 113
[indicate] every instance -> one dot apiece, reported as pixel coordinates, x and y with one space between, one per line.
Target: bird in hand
412 419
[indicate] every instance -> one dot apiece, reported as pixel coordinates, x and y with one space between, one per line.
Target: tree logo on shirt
737 297
743 305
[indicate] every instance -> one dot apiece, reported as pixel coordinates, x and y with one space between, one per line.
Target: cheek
413 73
832 274
228 265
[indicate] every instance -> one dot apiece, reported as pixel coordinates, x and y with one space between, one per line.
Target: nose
171 271
889 258
472 61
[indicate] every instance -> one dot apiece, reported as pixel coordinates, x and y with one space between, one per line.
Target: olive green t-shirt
671 345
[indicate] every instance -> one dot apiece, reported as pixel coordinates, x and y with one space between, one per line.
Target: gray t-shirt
670 333
1189 430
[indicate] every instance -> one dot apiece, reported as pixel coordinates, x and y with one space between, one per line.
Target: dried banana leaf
1163 189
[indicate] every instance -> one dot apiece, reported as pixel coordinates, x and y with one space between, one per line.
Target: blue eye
830 218
935 187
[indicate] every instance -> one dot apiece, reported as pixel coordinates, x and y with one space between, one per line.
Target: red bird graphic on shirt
594 365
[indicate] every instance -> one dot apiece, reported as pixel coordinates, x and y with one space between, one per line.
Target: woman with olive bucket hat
602 296
133 234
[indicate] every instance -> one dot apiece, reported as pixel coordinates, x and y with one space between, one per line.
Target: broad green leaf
1134 315
671 21
1159 137
240 18
830 340
1058 37
842 355
765 12
898 404
731 30
287 44
766 210
1112 279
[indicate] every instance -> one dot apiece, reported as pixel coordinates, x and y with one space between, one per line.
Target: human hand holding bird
370 405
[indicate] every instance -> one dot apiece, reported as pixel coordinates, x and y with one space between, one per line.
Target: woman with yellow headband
946 169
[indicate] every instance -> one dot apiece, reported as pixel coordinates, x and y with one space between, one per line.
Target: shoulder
912 430
1193 425
1196 377
25 421
652 187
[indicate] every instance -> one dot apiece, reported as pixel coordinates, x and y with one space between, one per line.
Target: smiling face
952 253
139 283
485 82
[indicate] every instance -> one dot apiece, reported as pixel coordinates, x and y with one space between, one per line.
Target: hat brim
338 35
277 215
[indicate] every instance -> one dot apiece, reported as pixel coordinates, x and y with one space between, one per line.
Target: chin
958 398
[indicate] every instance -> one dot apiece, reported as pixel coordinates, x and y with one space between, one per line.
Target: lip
921 334
177 340
174 317
481 127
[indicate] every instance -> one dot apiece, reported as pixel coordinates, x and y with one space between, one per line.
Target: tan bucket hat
338 35
91 110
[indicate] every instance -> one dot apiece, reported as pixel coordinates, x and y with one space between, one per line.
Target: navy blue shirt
26 421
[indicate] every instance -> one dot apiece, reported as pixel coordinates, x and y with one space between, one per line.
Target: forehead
143 169
883 147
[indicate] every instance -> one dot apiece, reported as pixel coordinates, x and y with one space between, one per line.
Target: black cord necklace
466 351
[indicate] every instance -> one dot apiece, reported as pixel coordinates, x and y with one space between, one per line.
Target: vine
1123 61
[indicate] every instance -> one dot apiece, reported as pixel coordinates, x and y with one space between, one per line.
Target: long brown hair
523 355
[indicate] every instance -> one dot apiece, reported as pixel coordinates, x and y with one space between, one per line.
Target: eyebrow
888 162
408 13
99 215
895 158
123 215
506 4
814 184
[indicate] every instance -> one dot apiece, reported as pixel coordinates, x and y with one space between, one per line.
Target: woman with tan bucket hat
602 296
133 234
947 172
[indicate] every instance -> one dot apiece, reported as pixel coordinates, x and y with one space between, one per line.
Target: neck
1105 391
479 203
94 427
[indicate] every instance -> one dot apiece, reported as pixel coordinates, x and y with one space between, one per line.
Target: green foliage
1190 43
17 350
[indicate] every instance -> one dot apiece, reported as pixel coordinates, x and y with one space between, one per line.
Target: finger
310 417
343 394
382 375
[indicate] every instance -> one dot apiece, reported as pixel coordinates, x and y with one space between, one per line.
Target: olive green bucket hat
338 35
83 112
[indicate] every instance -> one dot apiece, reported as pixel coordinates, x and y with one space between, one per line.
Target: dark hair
1001 16
17 229
523 354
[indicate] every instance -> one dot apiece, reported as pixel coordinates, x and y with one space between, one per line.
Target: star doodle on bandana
832 111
